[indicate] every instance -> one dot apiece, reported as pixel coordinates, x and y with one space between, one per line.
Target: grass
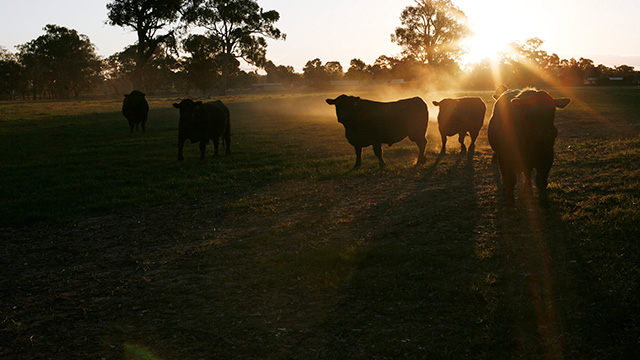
114 249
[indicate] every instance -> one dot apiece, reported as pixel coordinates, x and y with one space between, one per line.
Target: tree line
62 63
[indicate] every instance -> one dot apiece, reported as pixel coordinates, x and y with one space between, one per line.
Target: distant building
612 80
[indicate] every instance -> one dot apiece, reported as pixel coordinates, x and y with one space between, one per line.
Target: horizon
308 36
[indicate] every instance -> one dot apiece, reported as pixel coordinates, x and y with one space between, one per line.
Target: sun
483 46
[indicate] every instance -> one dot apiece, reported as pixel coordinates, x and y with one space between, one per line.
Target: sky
340 30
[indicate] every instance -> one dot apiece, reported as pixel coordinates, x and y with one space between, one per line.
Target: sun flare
480 47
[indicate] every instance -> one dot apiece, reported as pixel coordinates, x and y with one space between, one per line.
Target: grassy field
113 249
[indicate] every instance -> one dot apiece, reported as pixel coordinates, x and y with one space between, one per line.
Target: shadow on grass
414 293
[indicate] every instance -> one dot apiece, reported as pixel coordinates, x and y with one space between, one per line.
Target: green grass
113 249
63 166
72 158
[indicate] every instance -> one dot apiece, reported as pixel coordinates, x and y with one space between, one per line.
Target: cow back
387 122
217 115
461 115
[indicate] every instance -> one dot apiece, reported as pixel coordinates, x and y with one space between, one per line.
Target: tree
358 70
321 75
431 32
161 71
587 67
203 63
61 61
529 53
281 74
315 72
239 26
528 63
146 17
334 70
11 75
383 66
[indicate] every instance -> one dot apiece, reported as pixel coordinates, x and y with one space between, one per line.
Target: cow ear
517 101
495 96
177 106
436 103
561 103
198 102
331 101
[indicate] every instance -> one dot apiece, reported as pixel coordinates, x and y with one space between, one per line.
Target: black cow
460 116
522 134
375 123
136 109
201 122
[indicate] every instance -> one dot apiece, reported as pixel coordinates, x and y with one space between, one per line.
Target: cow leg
508 181
377 149
474 136
461 136
358 157
131 126
422 144
142 124
203 147
180 147
216 143
444 144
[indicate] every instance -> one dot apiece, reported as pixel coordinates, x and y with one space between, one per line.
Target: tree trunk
137 77
225 74
138 82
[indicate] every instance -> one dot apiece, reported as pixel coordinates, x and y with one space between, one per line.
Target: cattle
375 123
136 109
201 122
522 134
460 116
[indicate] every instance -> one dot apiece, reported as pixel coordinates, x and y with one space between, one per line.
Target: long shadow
414 294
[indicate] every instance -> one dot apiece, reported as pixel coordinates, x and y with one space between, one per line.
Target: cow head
447 109
346 107
538 106
189 110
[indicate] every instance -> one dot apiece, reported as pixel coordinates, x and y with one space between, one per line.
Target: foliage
528 65
160 73
61 61
146 17
203 64
334 70
281 74
11 76
320 75
358 70
239 28
431 32
315 72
